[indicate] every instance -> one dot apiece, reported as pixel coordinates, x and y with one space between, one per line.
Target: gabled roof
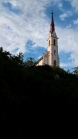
40 59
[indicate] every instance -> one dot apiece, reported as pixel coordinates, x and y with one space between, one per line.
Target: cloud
75 21
68 39
10 7
74 3
16 30
65 15
65 64
60 5
69 26
68 42
74 58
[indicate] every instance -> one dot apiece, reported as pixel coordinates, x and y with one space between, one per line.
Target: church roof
52 26
40 59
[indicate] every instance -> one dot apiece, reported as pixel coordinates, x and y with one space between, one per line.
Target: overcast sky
25 25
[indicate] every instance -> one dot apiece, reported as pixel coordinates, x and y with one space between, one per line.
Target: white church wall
40 63
49 48
46 62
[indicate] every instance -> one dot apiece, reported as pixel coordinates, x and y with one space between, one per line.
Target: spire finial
52 13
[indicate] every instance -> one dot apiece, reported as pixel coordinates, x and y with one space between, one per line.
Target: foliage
75 70
29 62
27 90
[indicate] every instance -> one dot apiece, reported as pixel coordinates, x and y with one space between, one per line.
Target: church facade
51 56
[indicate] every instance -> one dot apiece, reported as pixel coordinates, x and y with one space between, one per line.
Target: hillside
30 90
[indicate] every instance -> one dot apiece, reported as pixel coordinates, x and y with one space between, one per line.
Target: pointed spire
52 26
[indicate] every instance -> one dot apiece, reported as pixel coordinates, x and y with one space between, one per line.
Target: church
51 56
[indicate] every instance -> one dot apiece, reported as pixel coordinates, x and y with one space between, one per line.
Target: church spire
52 27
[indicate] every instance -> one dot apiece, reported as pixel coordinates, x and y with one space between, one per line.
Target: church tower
53 59
51 56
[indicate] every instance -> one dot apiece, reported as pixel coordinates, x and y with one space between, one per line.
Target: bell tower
53 59
51 56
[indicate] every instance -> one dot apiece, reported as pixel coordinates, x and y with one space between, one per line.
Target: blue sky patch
33 52
65 60
11 8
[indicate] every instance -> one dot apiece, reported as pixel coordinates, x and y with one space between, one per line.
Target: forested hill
26 90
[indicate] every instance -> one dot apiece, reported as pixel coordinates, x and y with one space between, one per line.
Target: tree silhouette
29 62
27 90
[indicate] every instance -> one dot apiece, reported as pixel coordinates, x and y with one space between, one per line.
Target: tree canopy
29 62
27 90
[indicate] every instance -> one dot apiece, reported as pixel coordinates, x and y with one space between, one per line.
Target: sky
25 26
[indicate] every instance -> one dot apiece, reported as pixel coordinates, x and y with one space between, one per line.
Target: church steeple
51 56
52 26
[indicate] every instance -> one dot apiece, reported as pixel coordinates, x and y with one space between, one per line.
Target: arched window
49 42
54 62
54 42
54 52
